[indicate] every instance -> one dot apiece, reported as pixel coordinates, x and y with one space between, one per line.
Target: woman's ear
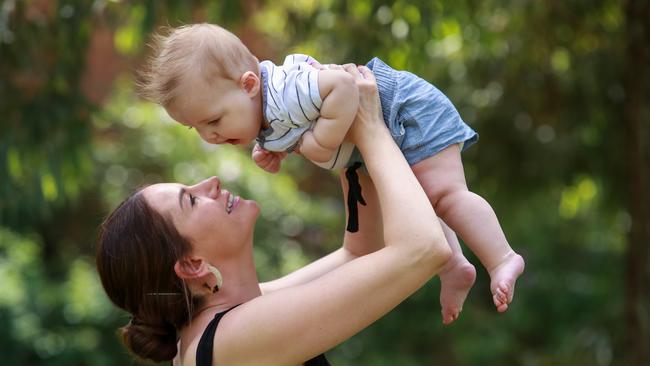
198 273
251 83
189 268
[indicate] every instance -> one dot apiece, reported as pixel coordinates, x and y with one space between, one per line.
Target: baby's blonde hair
205 51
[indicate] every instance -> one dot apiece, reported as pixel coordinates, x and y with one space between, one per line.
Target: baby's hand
267 160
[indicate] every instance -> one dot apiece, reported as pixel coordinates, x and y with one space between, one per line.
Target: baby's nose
208 136
215 139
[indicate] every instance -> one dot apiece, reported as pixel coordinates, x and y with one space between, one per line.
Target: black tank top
206 345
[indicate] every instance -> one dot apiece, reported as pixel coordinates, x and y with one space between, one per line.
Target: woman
179 258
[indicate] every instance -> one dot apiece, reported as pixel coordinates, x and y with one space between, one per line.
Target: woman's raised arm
293 324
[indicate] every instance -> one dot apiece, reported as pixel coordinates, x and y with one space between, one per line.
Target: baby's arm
340 97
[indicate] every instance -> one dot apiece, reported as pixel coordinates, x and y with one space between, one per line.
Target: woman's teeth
231 200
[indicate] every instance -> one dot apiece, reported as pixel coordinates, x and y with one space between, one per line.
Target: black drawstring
354 196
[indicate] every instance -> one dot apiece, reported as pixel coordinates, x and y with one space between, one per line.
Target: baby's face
221 112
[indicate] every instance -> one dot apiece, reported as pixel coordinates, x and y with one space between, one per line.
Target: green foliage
44 143
58 320
540 82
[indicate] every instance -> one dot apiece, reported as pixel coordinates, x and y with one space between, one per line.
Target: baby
208 80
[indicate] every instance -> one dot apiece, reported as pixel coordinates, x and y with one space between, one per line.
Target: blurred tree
45 139
637 127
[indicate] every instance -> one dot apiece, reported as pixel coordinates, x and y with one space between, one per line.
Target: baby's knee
445 196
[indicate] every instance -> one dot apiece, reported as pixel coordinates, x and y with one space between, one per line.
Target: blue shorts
421 119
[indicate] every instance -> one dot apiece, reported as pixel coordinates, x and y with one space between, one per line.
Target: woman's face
215 221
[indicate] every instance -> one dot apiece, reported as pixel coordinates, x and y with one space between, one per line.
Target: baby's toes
497 300
502 308
449 316
503 291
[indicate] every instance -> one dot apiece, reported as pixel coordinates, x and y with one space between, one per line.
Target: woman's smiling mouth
231 202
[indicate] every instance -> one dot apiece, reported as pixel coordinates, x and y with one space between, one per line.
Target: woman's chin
249 205
256 206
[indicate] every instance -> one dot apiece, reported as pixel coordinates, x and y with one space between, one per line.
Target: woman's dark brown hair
136 251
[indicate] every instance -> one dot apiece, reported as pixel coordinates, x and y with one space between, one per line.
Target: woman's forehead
162 189
163 196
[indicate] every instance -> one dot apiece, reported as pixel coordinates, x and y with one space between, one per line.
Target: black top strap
354 196
206 344
319 360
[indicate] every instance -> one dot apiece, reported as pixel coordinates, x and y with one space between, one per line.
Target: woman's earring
217 275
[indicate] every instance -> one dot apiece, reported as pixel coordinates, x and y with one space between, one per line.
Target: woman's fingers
353 70
317 65
369 114
366 73
340 67
358 71
364 77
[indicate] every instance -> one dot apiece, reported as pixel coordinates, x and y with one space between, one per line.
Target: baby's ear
250 82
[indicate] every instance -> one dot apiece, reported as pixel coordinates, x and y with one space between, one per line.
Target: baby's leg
471 216
456 279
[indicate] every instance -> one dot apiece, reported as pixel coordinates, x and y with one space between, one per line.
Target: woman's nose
213 186
209 187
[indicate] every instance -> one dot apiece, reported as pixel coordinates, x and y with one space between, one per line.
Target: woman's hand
369 119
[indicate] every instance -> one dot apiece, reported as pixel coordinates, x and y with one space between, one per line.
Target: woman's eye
192 200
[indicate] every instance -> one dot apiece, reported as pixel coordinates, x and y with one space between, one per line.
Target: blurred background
558 91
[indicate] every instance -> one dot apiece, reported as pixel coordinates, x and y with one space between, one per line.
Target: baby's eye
192 200
214 122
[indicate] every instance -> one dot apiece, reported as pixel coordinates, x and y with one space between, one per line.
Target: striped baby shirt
291 101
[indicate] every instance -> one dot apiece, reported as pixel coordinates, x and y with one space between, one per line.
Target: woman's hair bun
155 342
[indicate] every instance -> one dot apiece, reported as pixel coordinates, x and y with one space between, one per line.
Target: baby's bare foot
503 278
456 279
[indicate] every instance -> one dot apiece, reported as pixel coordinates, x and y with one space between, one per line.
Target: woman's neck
240 284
